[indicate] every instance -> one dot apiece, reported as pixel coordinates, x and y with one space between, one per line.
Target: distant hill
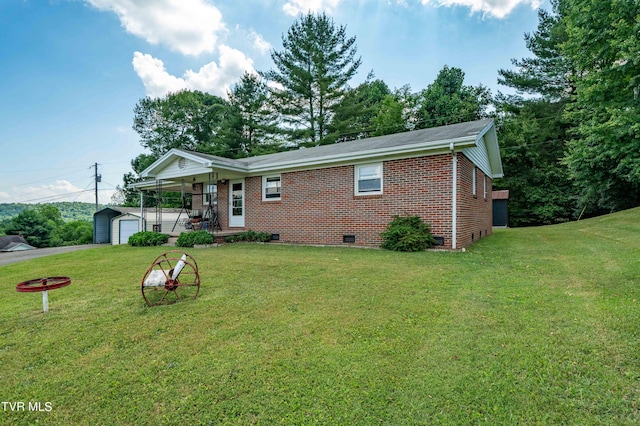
70 210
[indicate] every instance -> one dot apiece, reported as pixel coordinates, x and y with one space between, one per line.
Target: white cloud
259 42
157 81
212 78
190 27
295 7
497 8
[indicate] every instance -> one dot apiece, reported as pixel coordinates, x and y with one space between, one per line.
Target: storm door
236 203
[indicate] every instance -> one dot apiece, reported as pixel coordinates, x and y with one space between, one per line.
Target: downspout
454 197
142 224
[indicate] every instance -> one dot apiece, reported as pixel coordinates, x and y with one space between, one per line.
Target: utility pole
97 179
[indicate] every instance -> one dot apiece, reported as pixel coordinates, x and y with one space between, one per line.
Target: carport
102 225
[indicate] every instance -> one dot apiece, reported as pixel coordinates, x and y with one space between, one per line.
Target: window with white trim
271 188
368 179
474 185
211 194
485 187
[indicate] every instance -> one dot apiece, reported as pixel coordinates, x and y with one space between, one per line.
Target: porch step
171 241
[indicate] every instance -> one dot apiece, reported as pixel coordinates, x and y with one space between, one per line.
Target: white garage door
127 229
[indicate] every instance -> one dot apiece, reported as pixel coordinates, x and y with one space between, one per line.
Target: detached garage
114 225
124 226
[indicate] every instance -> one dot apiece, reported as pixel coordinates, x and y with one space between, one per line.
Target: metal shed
102 225
500 208
124 226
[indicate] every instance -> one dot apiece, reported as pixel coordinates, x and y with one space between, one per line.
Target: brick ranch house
345 193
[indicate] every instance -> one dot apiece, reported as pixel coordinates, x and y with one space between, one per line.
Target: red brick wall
474 211
319 206
197 203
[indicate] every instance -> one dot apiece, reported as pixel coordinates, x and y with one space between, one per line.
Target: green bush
148 238
249 236
189 239
407 233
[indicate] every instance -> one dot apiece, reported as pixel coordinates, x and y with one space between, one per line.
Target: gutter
368 155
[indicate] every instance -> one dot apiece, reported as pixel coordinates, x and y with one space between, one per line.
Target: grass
529 326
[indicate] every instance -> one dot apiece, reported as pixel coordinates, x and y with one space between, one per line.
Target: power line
44 179
52 197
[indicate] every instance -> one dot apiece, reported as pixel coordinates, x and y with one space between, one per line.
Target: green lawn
529 326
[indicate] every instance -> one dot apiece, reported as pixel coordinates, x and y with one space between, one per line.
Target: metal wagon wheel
173 276
43 284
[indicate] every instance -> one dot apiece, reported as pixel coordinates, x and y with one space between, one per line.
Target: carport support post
45 301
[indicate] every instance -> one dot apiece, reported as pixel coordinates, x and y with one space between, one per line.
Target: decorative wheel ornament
173 276
43 285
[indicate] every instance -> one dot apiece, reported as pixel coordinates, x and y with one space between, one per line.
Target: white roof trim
486 139
205 163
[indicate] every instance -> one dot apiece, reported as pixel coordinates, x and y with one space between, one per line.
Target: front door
236 203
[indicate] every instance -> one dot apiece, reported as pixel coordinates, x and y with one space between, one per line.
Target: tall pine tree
249 124
311 75
533 129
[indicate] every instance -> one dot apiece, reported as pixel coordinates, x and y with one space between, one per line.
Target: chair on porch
211 220
195 220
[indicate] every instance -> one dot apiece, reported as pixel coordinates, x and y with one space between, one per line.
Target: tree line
69 210
569 136
43 225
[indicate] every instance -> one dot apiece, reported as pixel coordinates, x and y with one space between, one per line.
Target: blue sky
71 71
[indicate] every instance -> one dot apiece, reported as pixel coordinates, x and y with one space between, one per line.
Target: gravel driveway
19 256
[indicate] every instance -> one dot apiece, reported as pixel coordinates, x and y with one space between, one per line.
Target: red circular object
161 283
43 284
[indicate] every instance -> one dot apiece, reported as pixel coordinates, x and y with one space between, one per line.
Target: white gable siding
479 156
173 170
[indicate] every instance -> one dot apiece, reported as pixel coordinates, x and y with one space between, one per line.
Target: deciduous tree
188 120
355 114
447 100
397 112
603 41
35 227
